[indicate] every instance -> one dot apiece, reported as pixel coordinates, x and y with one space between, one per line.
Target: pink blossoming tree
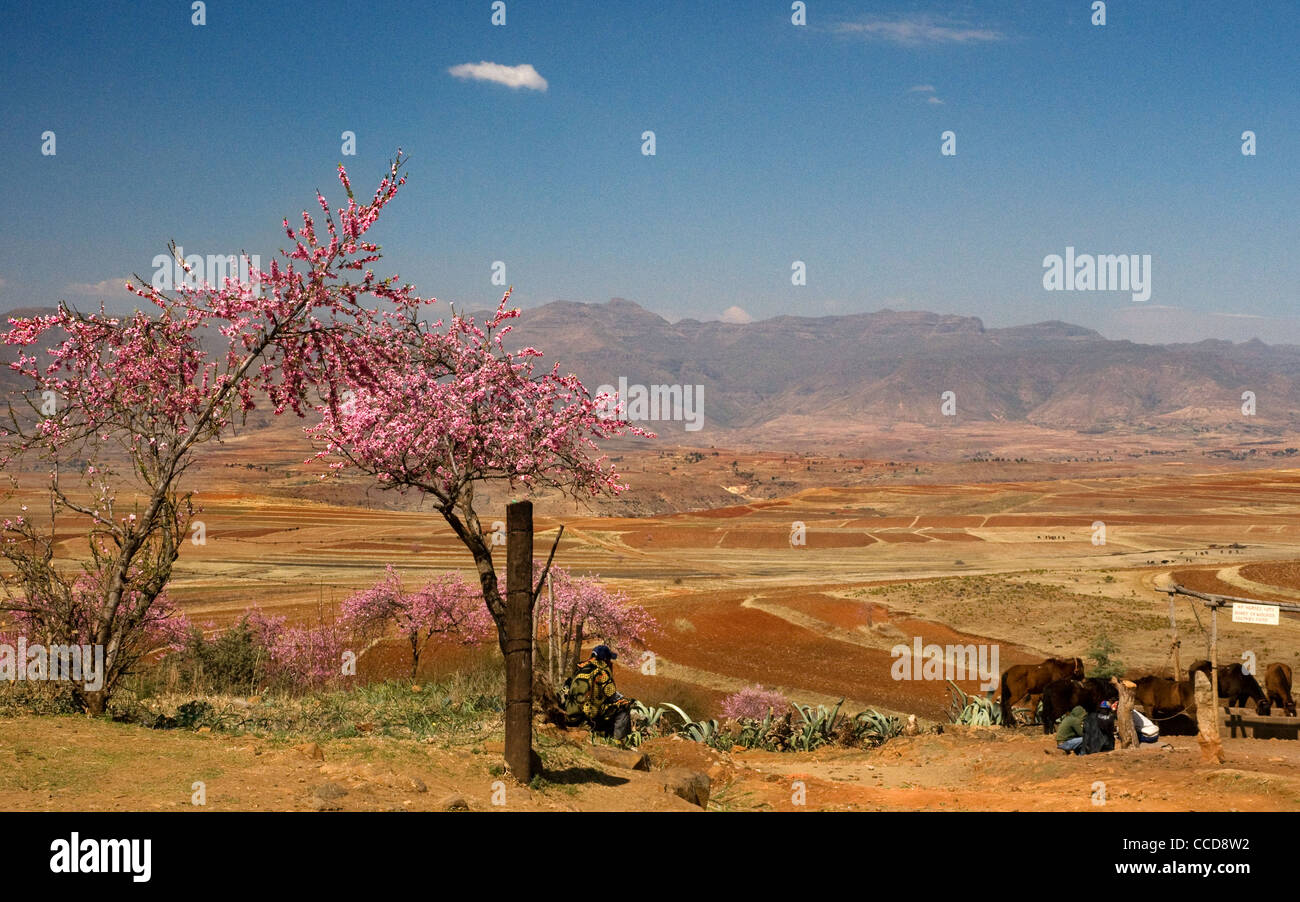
303 656
577 608
130 401
444 606
454 410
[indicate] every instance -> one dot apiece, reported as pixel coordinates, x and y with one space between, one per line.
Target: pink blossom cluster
445 605
454 406
585 608
754 702
304 657
148 382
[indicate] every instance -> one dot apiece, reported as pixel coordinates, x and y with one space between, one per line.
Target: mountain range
894 367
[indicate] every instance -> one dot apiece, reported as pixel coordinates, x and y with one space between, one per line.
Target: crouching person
1098 731
1069 735
591 698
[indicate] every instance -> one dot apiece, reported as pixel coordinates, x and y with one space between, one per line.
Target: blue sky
774 143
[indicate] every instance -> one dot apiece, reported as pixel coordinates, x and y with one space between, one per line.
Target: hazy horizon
1154 325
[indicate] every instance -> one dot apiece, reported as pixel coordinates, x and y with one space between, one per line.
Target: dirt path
74 763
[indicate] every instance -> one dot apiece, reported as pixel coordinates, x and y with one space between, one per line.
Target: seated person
1098 730
1069 735
1146 729
589 697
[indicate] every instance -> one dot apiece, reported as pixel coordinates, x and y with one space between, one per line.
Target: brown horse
1277 686
1165 695
1172 703
1022 680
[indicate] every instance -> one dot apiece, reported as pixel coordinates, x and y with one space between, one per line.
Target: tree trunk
553 641
96 703
576 651
1124 729
517 641
1207 721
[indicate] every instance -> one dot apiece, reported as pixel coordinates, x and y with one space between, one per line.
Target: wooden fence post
519 640
1207 720
1214 663
1176 643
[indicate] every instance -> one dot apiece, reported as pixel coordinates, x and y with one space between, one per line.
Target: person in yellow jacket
592 698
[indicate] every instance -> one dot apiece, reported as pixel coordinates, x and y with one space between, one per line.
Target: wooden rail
1238 721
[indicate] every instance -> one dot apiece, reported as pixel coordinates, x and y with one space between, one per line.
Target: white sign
1254 613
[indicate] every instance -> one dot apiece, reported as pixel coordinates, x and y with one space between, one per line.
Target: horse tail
1008 716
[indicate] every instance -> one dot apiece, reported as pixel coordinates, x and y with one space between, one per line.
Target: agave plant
809 738
983 711
669 706
648 715
876 728
818 726
754 733
701 730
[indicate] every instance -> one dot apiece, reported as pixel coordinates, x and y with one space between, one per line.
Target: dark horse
1061 696
1237 686
1022 680
1277 686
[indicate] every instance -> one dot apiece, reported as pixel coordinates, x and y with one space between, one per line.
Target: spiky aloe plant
701 730
753 733
648 714
679 712
876 728
818 725
972 710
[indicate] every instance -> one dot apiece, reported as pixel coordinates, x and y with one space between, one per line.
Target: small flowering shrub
754 702
263 651
444 606
302 657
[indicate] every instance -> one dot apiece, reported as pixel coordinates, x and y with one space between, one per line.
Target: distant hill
892 367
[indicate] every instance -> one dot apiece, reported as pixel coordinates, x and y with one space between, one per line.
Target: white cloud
521 76
736 315
98 289
926 89
917 30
